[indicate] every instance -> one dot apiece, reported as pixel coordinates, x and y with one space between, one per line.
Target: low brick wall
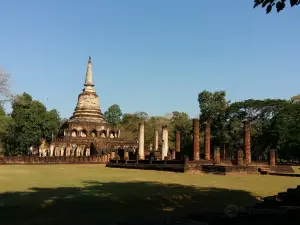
162 167
51 160
227 169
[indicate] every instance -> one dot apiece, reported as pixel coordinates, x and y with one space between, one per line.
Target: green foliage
259 113
130 124
181 122
130 127
211 104
5 122
284 132
155 123
278 4
274 124
4 84
113 115
52 123
32 122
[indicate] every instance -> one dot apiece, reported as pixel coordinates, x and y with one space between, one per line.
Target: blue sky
148 55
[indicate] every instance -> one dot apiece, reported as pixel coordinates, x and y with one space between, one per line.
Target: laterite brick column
177 142
113 155
272 158
223 151
240 158
217 158
155 140
247 142
196 139
126 155
207 141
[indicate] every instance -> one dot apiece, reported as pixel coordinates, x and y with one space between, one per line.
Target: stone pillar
151 147
272 158
119 133
177 142
126 155
240 160
186 160
107 133
141 140
185 163
217 158
173 154
196 139
223 151
207 141
165 142
247 142
113 155
155 140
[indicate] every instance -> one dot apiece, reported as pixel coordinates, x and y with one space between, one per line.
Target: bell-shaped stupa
88 107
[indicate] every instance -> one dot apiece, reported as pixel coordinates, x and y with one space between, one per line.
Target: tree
155 123
5 122
278 4
213 106
181 122
32 122
52 124
4 85
113 115
259 113
284 132
130 124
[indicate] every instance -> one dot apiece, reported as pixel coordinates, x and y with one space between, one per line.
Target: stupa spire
89 77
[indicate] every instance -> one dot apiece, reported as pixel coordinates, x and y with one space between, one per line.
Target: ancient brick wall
52 160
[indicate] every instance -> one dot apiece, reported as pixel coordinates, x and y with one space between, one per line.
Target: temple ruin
86 132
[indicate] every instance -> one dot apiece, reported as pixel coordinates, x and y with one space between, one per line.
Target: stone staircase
289 200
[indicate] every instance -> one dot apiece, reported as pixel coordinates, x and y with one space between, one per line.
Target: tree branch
278 4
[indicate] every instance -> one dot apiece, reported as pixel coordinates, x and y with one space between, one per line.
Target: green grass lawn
94 194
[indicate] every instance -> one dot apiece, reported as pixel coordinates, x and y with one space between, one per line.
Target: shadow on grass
106 203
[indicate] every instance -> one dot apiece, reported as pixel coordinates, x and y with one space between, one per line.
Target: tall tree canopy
130 124
278 4
180 121
5 122
113 115
4 86
284 132
213 106
274 124
32 122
